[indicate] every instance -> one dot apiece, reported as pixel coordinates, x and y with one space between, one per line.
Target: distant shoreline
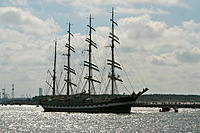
169 98
148 100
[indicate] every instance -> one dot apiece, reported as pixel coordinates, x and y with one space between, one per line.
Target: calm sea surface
14 119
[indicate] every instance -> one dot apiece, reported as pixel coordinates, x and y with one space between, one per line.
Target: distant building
12 90
40 91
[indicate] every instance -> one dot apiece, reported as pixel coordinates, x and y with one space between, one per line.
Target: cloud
141 32
141 27
134 11
157 60
83 8
165 59
16 2
191 25
25 46
24 22
22 37
165 45
188 56
127 2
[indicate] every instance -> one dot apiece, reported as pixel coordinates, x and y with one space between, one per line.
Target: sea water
32 119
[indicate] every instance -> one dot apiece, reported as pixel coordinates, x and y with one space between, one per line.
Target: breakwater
170 104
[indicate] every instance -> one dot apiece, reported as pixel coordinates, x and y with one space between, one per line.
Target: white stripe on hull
87 106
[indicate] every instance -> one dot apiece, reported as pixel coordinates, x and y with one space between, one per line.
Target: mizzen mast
112 62
89 63
68 66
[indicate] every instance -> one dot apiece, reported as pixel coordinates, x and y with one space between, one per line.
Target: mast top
89 63
111 61
68 66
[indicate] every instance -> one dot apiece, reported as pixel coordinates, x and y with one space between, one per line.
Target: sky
159 42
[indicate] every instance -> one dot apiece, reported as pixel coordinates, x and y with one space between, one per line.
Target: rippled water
146 120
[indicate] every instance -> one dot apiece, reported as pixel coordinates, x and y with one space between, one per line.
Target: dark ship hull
117 105
90 103
124 107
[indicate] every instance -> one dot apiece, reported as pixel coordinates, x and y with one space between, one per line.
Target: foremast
89 63
112 62
68 66
54 70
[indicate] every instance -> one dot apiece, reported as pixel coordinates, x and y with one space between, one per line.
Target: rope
124 71
138 73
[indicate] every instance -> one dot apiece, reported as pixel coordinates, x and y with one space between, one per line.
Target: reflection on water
33 119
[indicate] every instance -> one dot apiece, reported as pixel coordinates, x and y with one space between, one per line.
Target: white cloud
142 32
133 11
25 47
191 25
127 2
9 35
25 22
157 60
17 2
170 44
188 56
83 8
164 2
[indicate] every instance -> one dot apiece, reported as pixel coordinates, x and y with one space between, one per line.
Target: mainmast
68 67
89 63
112 62
54 71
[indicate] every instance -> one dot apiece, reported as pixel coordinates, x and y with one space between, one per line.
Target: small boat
168 109
165 109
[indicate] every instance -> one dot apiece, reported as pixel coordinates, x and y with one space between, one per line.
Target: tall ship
89 101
